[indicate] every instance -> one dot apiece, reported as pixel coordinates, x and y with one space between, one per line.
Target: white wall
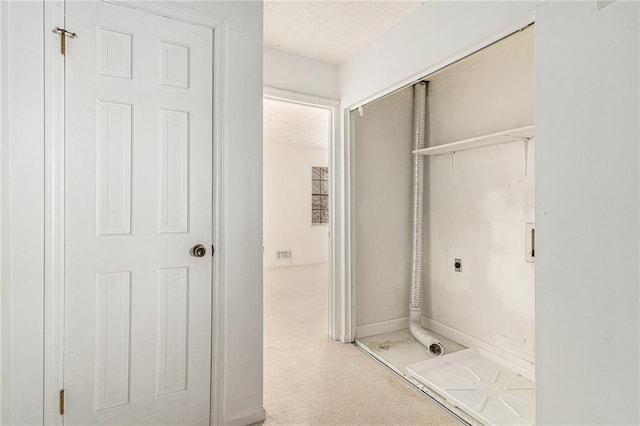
296 138
487 92
383 173
587 207
287 206
296 73
587 213
403 52
478 213
23 293
3 185
22 361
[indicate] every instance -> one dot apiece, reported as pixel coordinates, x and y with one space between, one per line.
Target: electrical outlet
457 264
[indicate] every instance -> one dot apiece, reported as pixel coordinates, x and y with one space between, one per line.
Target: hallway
309 379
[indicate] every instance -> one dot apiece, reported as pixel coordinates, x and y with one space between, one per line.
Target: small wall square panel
112 340
173 286
174 65
114 168
114 53
174 171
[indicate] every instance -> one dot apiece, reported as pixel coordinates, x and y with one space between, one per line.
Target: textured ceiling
330 30
293 124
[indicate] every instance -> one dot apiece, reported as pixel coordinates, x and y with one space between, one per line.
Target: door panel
138 197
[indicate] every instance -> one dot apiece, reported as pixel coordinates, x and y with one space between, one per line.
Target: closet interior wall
383 176
478 210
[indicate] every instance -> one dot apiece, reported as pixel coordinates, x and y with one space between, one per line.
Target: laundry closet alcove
478 228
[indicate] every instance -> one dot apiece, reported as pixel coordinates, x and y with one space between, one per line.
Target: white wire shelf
512 135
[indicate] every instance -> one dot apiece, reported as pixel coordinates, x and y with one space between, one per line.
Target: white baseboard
246 417
293 265
381 327
470 341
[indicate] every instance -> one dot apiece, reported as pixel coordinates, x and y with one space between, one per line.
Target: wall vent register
285 254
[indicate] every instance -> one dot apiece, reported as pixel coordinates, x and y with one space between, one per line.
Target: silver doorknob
198 250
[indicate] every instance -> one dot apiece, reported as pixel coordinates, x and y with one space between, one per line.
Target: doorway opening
296 185
296 220
296 205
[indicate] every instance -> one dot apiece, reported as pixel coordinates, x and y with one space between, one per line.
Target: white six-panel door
138 198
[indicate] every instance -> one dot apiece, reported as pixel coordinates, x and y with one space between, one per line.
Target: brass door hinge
62 402
63 38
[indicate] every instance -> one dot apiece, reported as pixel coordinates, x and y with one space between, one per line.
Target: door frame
336 193
350 166
54 226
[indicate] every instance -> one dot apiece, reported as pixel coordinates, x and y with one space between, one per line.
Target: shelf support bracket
452 158
525 144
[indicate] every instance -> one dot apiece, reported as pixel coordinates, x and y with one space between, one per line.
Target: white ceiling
330 30
293 124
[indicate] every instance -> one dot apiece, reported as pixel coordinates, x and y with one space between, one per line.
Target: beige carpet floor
310 380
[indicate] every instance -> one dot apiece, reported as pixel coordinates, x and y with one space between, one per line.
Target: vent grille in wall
283 254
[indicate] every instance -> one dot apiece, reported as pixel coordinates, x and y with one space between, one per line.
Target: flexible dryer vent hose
420 334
